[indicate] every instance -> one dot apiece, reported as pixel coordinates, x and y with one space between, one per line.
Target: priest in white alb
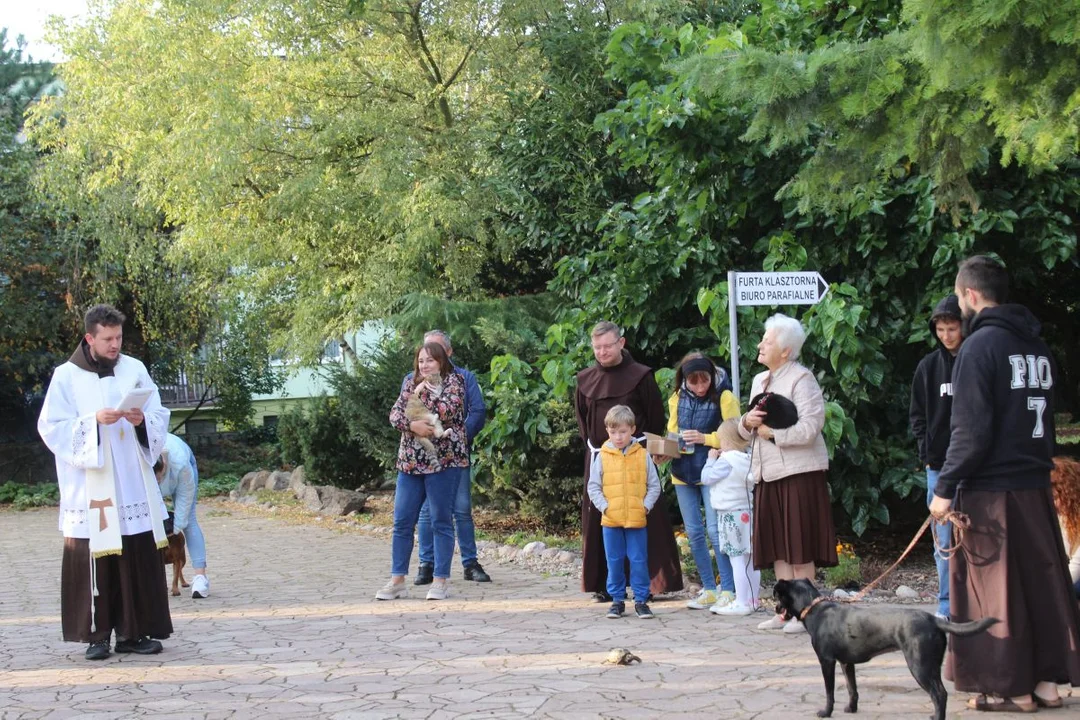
104 422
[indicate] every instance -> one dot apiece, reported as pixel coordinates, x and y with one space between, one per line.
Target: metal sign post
768 288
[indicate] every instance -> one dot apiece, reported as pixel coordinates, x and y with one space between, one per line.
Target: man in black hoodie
931 408
1012 563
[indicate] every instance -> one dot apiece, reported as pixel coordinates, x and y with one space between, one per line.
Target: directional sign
779 288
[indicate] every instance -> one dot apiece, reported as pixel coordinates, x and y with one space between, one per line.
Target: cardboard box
660 445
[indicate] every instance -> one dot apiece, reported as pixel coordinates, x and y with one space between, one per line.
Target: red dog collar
808 608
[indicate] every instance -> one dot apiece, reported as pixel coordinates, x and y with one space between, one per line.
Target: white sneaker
724 598
794 627
200 587
774 623
735 608
392 591
704 599
438 592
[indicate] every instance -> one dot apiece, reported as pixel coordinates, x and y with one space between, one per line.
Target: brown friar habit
133 594
598 390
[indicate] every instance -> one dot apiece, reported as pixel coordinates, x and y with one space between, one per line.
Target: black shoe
98 650
425 574
643 611
601 597
474 572
616 610
142 646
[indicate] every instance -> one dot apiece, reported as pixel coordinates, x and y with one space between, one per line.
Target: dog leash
961 523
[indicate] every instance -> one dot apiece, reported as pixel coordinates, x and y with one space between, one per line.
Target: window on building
201 427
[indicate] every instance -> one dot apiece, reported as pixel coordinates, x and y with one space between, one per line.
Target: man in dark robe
1012 563
617 379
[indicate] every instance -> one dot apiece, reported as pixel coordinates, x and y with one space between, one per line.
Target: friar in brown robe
617 379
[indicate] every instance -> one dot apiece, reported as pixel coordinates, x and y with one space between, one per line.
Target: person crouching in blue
178 478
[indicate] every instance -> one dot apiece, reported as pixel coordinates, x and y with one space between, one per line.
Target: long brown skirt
793 522
132 596
1013 567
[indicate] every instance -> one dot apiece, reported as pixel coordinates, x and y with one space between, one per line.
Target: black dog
851 635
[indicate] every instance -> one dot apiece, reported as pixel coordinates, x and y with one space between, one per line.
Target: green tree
35 317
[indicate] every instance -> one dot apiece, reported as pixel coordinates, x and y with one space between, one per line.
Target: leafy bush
28 496
291 425
366 393
848 573
234 457
529 449
217 485
331 455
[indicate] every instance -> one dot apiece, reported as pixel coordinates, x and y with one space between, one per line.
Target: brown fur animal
416 410
176 555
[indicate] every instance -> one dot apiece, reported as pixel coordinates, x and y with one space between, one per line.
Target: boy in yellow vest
624 486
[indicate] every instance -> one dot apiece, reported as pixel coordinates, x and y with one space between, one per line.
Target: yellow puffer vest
625 479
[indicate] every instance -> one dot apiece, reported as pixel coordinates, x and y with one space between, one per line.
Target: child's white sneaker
724 598
734 609
793 627
774 623
704 599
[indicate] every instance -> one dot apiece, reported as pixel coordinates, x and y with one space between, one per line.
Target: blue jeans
193 537
944 536
620 545
411 492
463 522
691 499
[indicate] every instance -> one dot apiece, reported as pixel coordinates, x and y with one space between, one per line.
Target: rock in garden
534 548
277 480
297 480
841 594
907 593
328 500
252 481
507 553
565 557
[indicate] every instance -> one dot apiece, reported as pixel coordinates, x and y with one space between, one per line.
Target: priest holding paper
104 422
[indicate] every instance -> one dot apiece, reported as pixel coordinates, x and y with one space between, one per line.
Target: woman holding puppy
793 528
425 475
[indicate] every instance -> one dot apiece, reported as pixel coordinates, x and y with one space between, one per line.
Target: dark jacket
1003 406
932 393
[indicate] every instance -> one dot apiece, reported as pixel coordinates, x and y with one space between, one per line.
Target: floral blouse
450 450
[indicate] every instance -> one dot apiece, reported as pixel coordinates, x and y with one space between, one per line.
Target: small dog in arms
850 635
416 410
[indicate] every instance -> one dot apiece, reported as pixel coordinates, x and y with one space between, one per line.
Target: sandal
982 703
1048 704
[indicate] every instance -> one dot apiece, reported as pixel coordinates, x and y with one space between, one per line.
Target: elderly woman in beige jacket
793 526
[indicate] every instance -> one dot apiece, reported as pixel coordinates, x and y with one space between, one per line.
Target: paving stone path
292 630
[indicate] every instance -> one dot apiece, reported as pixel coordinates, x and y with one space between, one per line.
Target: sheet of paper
135 398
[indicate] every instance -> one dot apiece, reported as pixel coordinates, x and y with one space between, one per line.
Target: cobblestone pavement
292 630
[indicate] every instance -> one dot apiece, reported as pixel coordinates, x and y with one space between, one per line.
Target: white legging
747 580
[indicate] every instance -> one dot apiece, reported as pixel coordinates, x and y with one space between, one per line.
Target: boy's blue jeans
620 545
944 536
463 522
411 492
691 499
